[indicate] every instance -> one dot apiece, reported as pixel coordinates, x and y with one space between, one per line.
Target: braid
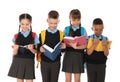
19 29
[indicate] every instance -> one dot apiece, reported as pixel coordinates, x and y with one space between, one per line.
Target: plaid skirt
22 68
73 62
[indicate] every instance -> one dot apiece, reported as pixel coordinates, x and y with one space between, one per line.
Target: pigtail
71 32
19 29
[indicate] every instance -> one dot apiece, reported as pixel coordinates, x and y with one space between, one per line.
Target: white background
108 10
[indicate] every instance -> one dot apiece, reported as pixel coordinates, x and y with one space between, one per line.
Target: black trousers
96 72
50 71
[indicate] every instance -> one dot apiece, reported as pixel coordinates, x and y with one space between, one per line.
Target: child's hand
63 46
104 43
30 46
15 49
95 41
42 49
74 45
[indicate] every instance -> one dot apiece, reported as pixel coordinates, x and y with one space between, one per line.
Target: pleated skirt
22 68
73 62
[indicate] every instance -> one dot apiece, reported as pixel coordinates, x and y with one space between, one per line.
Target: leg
29 80
77 77
68 77
45 71
101 73
91 73
20 80
54 74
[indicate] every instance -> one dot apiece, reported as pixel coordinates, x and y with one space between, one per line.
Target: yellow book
99 47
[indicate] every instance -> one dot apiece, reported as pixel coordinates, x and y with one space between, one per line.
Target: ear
58 20
92 28
47 20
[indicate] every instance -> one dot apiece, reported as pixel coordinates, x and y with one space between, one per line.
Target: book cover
52 53
81 40
99 47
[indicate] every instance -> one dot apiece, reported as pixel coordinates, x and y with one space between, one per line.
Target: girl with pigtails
24 50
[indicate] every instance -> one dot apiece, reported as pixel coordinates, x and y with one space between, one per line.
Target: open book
52 53
81 40
99 47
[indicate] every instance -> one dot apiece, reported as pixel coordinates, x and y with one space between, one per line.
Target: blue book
52 53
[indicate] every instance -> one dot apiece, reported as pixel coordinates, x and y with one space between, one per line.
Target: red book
81 40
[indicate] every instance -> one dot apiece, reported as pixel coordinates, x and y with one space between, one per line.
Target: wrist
75 47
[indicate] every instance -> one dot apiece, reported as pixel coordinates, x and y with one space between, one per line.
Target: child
73 58
24 51
96 60
50 68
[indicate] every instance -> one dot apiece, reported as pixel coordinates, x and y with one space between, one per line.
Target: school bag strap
67 30
43 35
61 35
33 35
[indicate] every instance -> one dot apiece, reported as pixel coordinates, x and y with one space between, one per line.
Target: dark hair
25 16
75 14
53 14
97 21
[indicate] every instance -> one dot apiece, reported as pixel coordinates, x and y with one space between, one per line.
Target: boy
50 68
96 60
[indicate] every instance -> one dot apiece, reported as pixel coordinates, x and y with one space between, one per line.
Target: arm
15 49
31 48
105 48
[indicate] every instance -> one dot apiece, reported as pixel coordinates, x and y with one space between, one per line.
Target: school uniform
96 63
73 58
22 66
50 68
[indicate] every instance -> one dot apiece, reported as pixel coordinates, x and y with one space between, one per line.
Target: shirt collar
99 37
52 31
25 34
75 28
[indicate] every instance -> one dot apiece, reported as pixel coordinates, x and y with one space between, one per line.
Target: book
81 40
52 53
99 47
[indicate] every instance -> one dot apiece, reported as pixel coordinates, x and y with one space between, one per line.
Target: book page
48 48
51 49
81 40
58 45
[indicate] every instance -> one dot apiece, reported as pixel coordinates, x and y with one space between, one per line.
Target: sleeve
107 38
36 40
13 40
66 31
39 44
85 32
15 37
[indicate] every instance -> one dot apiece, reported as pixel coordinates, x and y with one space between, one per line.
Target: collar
99 37
25 34
52 31
75 28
